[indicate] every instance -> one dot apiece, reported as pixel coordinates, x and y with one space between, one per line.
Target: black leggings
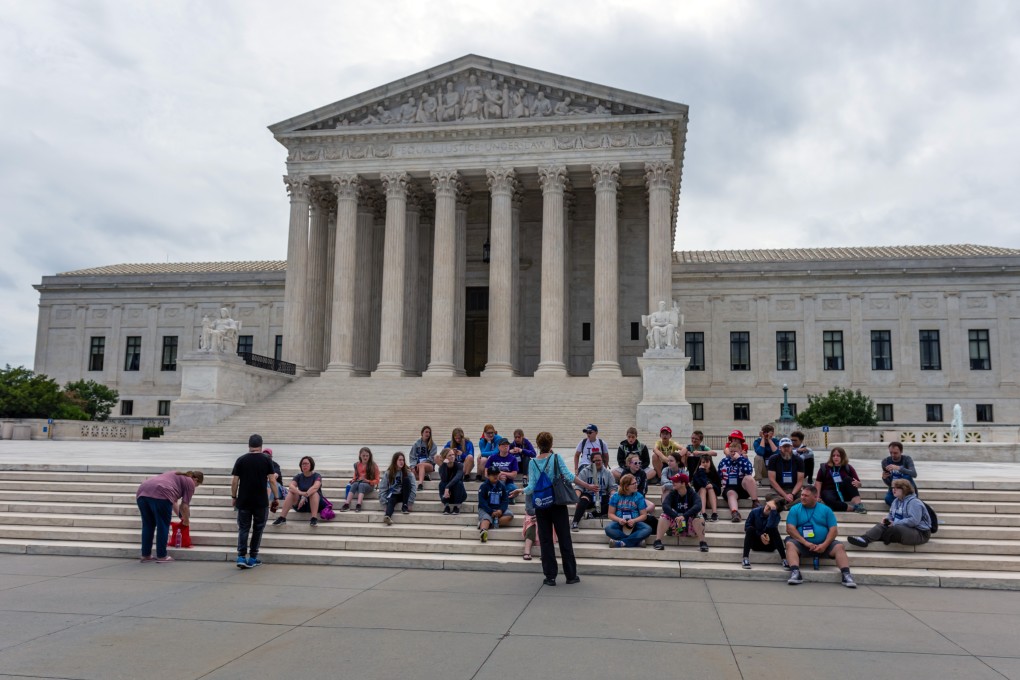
586 502
458 494
402 496
752 541
831 497
558 517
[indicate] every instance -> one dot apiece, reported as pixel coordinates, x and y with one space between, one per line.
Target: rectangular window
245 344
635 332
133 353
984 413
980 350
694 347
127 407
786 350
881 350
832 350
740 351
885 412
697 411
793 410
586 331
169 362
278 348
931 351
163 407
933 413
741 412
97 352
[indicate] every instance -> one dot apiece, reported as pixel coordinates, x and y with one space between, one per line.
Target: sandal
527 557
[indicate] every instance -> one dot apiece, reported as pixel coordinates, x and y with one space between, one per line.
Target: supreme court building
485 219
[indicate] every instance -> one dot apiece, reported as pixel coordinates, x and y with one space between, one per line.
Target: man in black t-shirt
251 473
786 472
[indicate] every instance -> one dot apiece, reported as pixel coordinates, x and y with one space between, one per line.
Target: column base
605 369
346 370
551 369
438 370
389 371
500 370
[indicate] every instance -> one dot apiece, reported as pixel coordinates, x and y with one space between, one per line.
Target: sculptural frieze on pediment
476 96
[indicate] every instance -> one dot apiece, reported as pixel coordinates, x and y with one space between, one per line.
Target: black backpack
934 518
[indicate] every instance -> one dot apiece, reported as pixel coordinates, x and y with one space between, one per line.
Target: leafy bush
150 432
95 399
839 408
23 394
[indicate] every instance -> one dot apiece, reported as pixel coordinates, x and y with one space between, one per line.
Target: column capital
446 182
321 197
347 186
659 175
464 196
553 178
501 180
605 176
517 198
395 184
415 197
298 187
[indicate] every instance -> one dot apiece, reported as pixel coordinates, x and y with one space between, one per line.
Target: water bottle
815 564
177 538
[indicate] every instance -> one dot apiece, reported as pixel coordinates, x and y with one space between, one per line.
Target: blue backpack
543 496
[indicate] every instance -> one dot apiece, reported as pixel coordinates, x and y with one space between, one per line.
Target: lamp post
786 421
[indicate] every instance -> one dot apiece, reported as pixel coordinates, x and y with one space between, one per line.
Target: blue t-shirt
506 463
467 450
812 523
628 507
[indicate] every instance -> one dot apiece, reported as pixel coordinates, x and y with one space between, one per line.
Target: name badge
787 478
494 497
807 531
836 477
897 516
732 480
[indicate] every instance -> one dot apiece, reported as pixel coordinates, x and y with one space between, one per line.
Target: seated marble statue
220 335
662 326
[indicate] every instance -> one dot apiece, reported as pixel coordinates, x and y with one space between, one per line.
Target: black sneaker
714 517
745 563
420 487
312 522
795 578
447 510
428 478
574 526
279 520
859 541
658 545
345 507
703 547
357 508
572 581
404 510
848 580
456 509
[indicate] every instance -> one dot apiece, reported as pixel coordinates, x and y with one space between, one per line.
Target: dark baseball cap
591 428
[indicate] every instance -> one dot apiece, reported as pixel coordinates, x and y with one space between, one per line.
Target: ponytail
195 475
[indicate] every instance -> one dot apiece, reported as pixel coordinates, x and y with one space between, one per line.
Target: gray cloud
138 131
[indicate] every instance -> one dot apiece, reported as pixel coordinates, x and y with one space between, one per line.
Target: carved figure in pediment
601 110
380 117
541 107
449 105
518 104
562 108
343 122
427 109
494 99
408 111
473 95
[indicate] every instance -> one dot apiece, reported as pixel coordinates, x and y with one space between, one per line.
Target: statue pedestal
215 385
664 400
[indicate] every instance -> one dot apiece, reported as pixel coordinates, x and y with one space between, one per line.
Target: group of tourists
618 496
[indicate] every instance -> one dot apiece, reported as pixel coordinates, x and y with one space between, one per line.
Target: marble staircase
332 408
45 511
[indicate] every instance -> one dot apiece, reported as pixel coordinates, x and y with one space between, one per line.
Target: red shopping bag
180 536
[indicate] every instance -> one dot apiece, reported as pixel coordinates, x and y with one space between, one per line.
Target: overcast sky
135 131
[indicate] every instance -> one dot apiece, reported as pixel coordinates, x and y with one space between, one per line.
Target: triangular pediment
474 89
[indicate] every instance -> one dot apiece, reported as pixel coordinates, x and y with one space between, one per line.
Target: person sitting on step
707 484
628 447
487 446
806 454
396 486
897 465
365 479
451 483
673 466
422 455
812 530
504 463
587 446
765 446
736 476
635 470
908 522
691 454
786 472
522 449
304 494
664 446
761 530
628 512
595 503
837 483
493 504
465 451
680 513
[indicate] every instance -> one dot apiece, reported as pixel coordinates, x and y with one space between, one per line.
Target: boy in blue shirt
493 504
812 533
505 463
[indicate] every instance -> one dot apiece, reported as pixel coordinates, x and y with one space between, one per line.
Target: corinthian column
391 349
296 282
363 288
659 178
341 350
412 312
460 282
551 361
606 178
316 286
444 273
502 184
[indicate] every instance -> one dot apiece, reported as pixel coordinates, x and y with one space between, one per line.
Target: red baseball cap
665 428
737 434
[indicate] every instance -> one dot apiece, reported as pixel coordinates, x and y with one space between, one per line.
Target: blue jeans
156 516
641 532
255 521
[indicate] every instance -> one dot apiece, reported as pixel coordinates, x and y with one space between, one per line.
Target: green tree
24 394
94 399
839 408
